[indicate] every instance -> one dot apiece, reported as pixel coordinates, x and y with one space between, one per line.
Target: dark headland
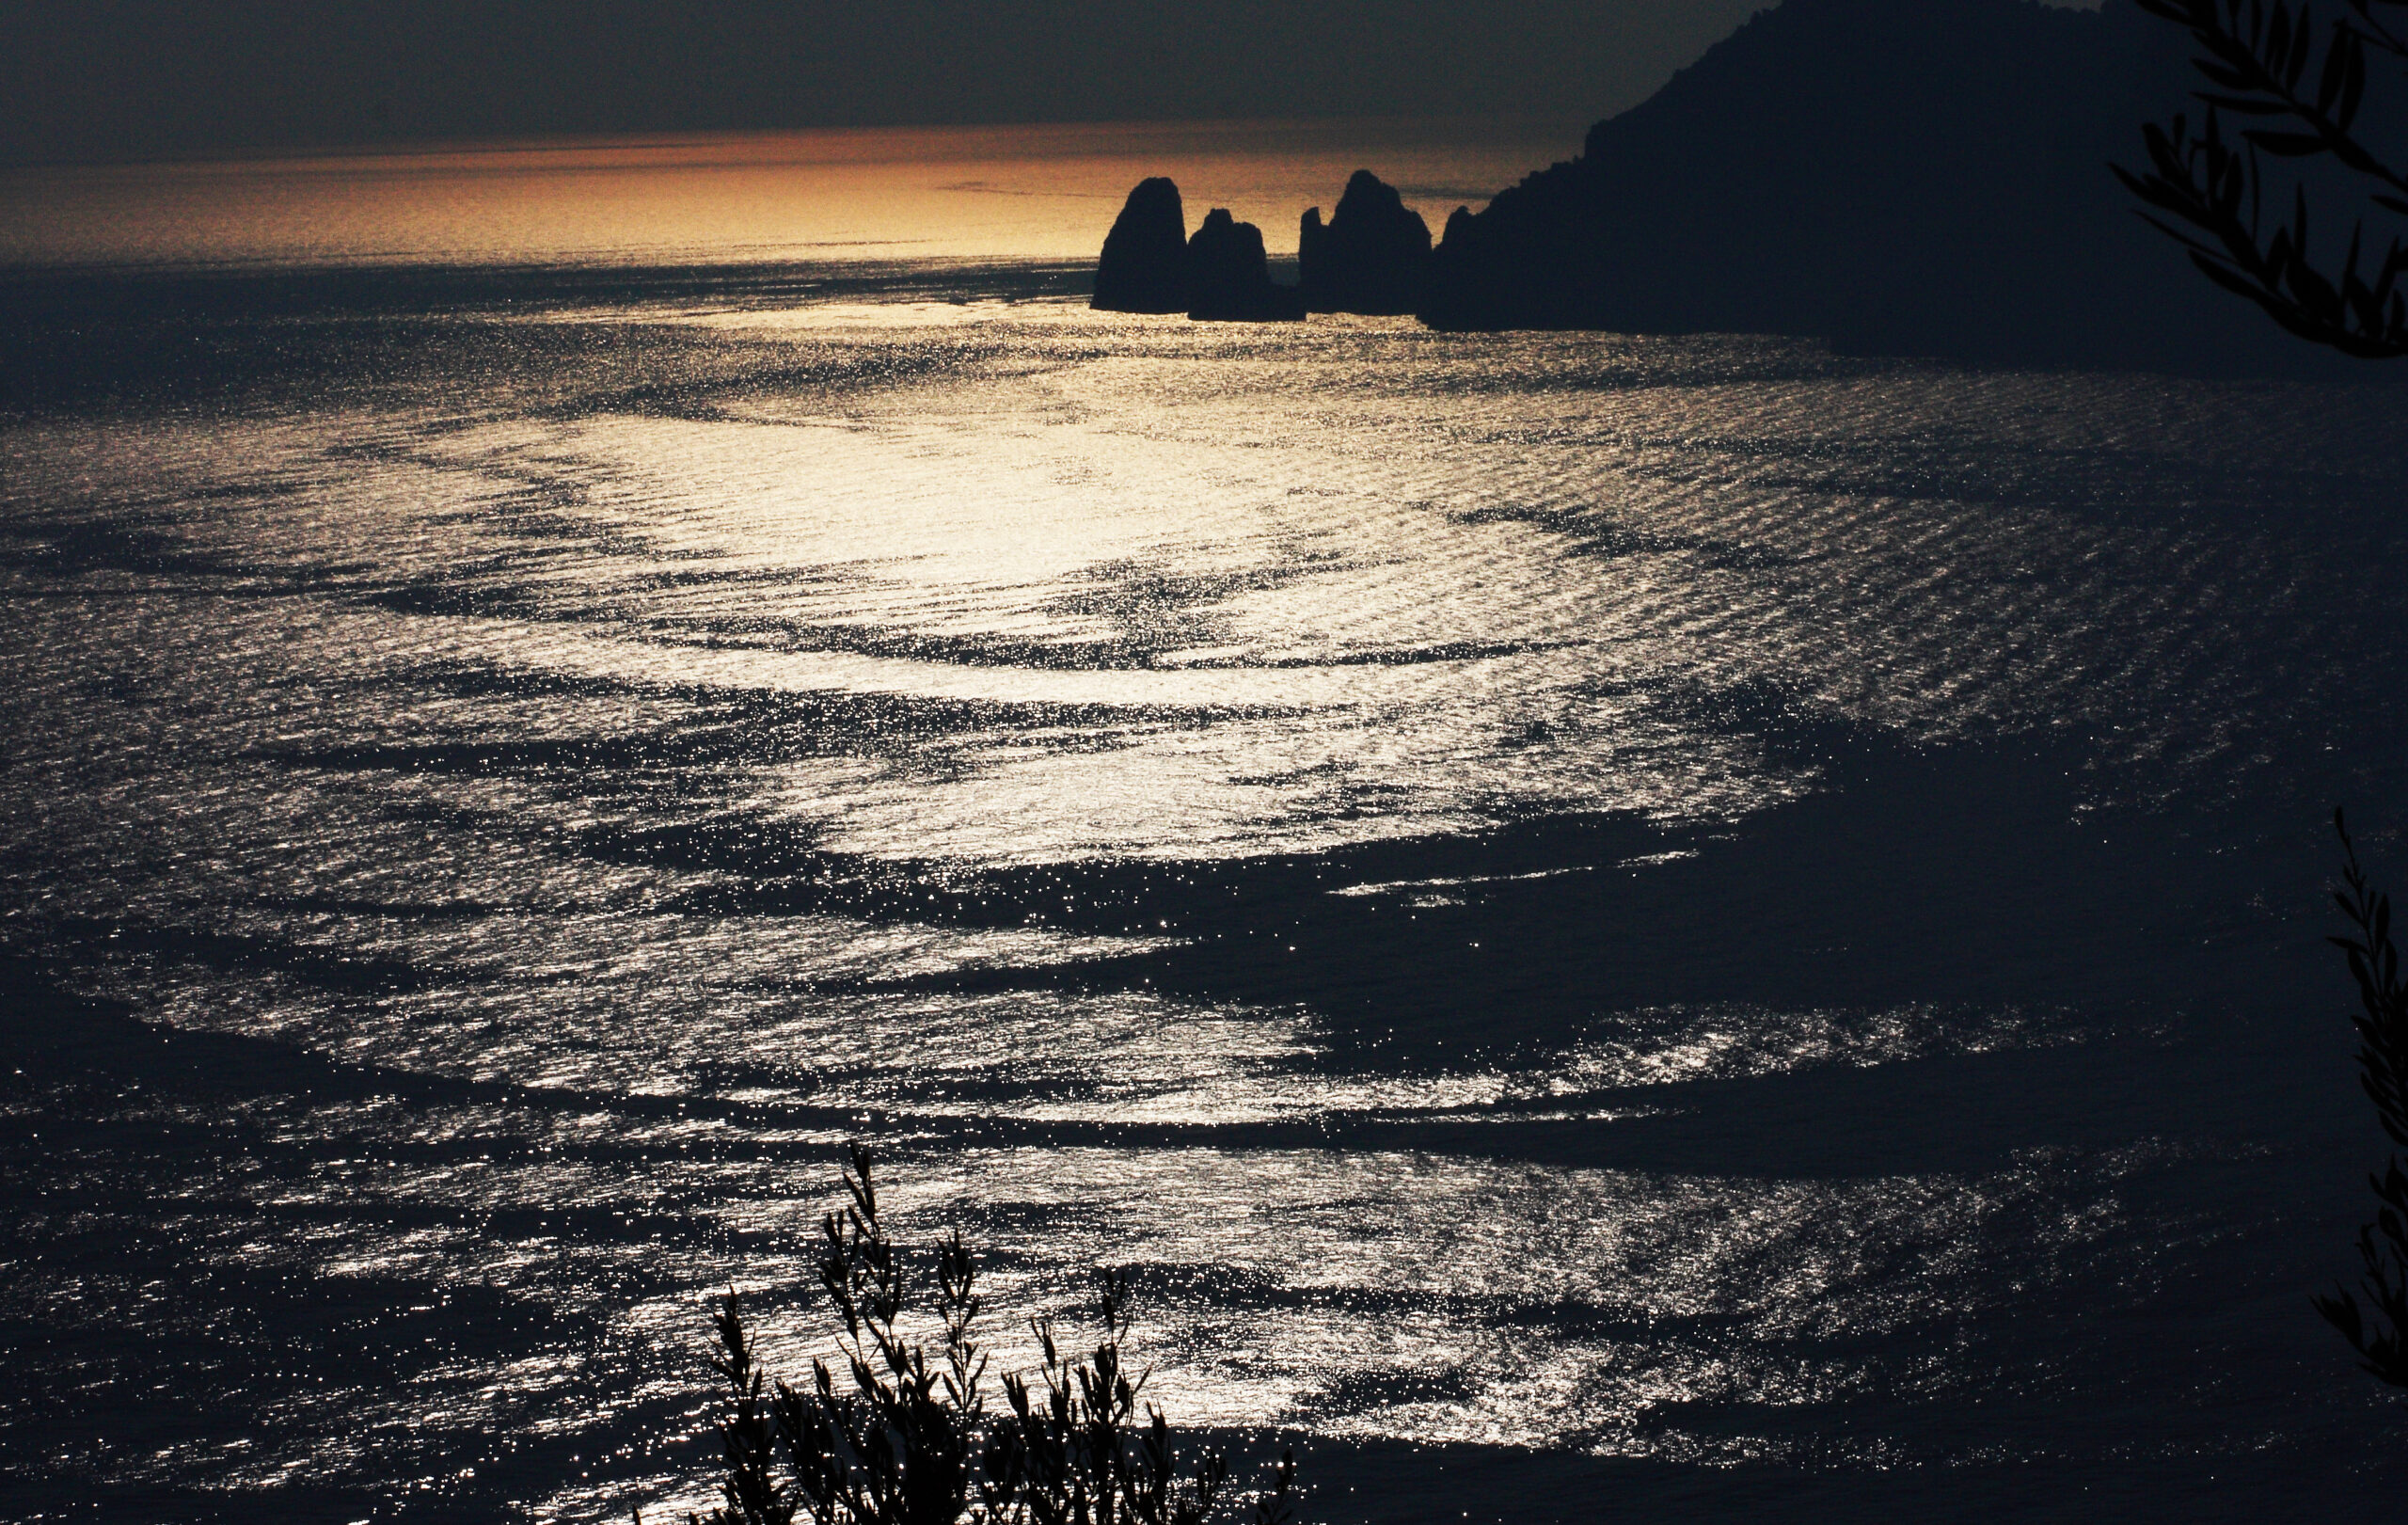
1893 177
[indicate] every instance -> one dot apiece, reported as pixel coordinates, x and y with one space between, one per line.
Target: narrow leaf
2286 145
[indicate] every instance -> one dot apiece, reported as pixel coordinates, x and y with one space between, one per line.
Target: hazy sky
118 79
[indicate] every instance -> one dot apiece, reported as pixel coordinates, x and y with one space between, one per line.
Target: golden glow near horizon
855 194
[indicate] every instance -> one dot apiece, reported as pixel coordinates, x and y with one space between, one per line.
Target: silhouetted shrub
2255 60
892 1436
2381 1341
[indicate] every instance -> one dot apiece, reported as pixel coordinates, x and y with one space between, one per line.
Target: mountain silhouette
1915 177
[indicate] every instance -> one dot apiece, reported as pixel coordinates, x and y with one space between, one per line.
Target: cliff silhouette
1911 176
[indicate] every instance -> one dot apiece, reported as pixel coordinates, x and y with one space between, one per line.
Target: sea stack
1143 265
1372 257
1229 275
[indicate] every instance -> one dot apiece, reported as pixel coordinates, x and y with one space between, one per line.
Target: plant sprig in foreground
2382 1022
890 1435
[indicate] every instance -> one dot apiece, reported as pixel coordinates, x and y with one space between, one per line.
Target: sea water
1679 924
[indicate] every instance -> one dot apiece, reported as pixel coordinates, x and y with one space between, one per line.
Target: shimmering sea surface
1673 925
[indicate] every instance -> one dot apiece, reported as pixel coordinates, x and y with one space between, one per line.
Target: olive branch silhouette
2208 189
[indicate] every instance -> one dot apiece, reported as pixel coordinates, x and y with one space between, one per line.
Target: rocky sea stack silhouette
1373 256
1144 264
1902 176
1229 275
1149 264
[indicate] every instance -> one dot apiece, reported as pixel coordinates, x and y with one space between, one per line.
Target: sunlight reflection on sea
1548 891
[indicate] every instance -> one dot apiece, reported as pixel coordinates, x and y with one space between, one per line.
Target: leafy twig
2382 1022
2207 190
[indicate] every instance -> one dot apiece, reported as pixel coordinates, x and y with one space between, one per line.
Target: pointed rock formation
1230 277
1372 257
1143 265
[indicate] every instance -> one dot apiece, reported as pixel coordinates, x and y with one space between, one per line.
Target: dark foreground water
1679 926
